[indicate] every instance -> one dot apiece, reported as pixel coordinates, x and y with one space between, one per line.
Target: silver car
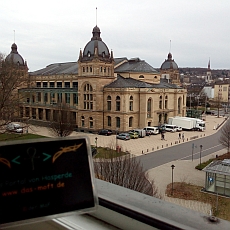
123 136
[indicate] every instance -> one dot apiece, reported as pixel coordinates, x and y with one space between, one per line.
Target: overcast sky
54 31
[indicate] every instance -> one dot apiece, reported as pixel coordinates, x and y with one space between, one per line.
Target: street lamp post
172 166
96 141
201 146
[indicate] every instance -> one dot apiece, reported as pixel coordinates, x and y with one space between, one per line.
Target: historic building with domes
104 92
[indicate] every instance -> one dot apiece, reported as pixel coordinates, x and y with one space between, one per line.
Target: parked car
123 136
105 132
14 127
133 135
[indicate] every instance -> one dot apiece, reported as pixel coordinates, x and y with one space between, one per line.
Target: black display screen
45 178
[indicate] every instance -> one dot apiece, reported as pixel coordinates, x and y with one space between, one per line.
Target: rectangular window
52 98
109 121
67 97
67 84
59 84
59 97
51 84
39 97
45 97
75 85
109 105
117 105
118 122
91 105
38 84
75 98
91 124
131 105
45 84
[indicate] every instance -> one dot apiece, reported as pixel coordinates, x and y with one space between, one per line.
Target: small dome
14 56
169 63
96 46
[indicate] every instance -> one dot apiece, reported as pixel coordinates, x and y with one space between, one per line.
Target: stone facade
104 92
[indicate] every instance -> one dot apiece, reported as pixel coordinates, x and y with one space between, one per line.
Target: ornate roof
14 56
96 47
169 63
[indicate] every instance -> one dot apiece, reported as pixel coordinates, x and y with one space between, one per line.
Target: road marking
199 152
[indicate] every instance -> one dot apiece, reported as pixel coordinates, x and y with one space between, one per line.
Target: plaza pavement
184 170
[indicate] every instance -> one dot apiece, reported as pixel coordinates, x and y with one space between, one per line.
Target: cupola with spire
15 57
96 48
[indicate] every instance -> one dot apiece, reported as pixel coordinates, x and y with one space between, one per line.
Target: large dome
169 63
14 56
96 46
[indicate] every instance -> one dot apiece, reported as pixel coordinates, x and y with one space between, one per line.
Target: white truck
187 123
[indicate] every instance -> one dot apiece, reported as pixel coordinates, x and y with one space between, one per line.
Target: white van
152 130
170 128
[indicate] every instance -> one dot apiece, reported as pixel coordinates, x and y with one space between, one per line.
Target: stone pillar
44 115
37 114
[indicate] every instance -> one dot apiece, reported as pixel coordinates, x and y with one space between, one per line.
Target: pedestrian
163 136
179 136
183 136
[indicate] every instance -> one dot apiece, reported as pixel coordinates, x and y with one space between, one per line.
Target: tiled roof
58 68
135 65
122 82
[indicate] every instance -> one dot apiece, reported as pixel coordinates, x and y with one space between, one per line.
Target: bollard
142 152
187 139
152 149
204 134
157 147
162 146
179 141
171 143
147 150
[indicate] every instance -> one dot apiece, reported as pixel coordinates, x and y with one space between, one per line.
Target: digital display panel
45 177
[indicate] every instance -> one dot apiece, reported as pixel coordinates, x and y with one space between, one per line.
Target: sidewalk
184 171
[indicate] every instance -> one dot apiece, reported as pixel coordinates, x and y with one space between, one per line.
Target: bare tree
125 171
225 135
12 78
63 122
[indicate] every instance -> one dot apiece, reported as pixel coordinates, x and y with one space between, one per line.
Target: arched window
88 97
91 70
82 121
109 121
83 69
87 69
149 107
166 102
160 102
118 103
91 122
131 122
131 103
179 105
109 103
118 122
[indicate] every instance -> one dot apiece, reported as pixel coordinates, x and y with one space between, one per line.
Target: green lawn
108 153
15 136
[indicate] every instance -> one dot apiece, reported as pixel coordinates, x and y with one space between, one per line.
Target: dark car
105 132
